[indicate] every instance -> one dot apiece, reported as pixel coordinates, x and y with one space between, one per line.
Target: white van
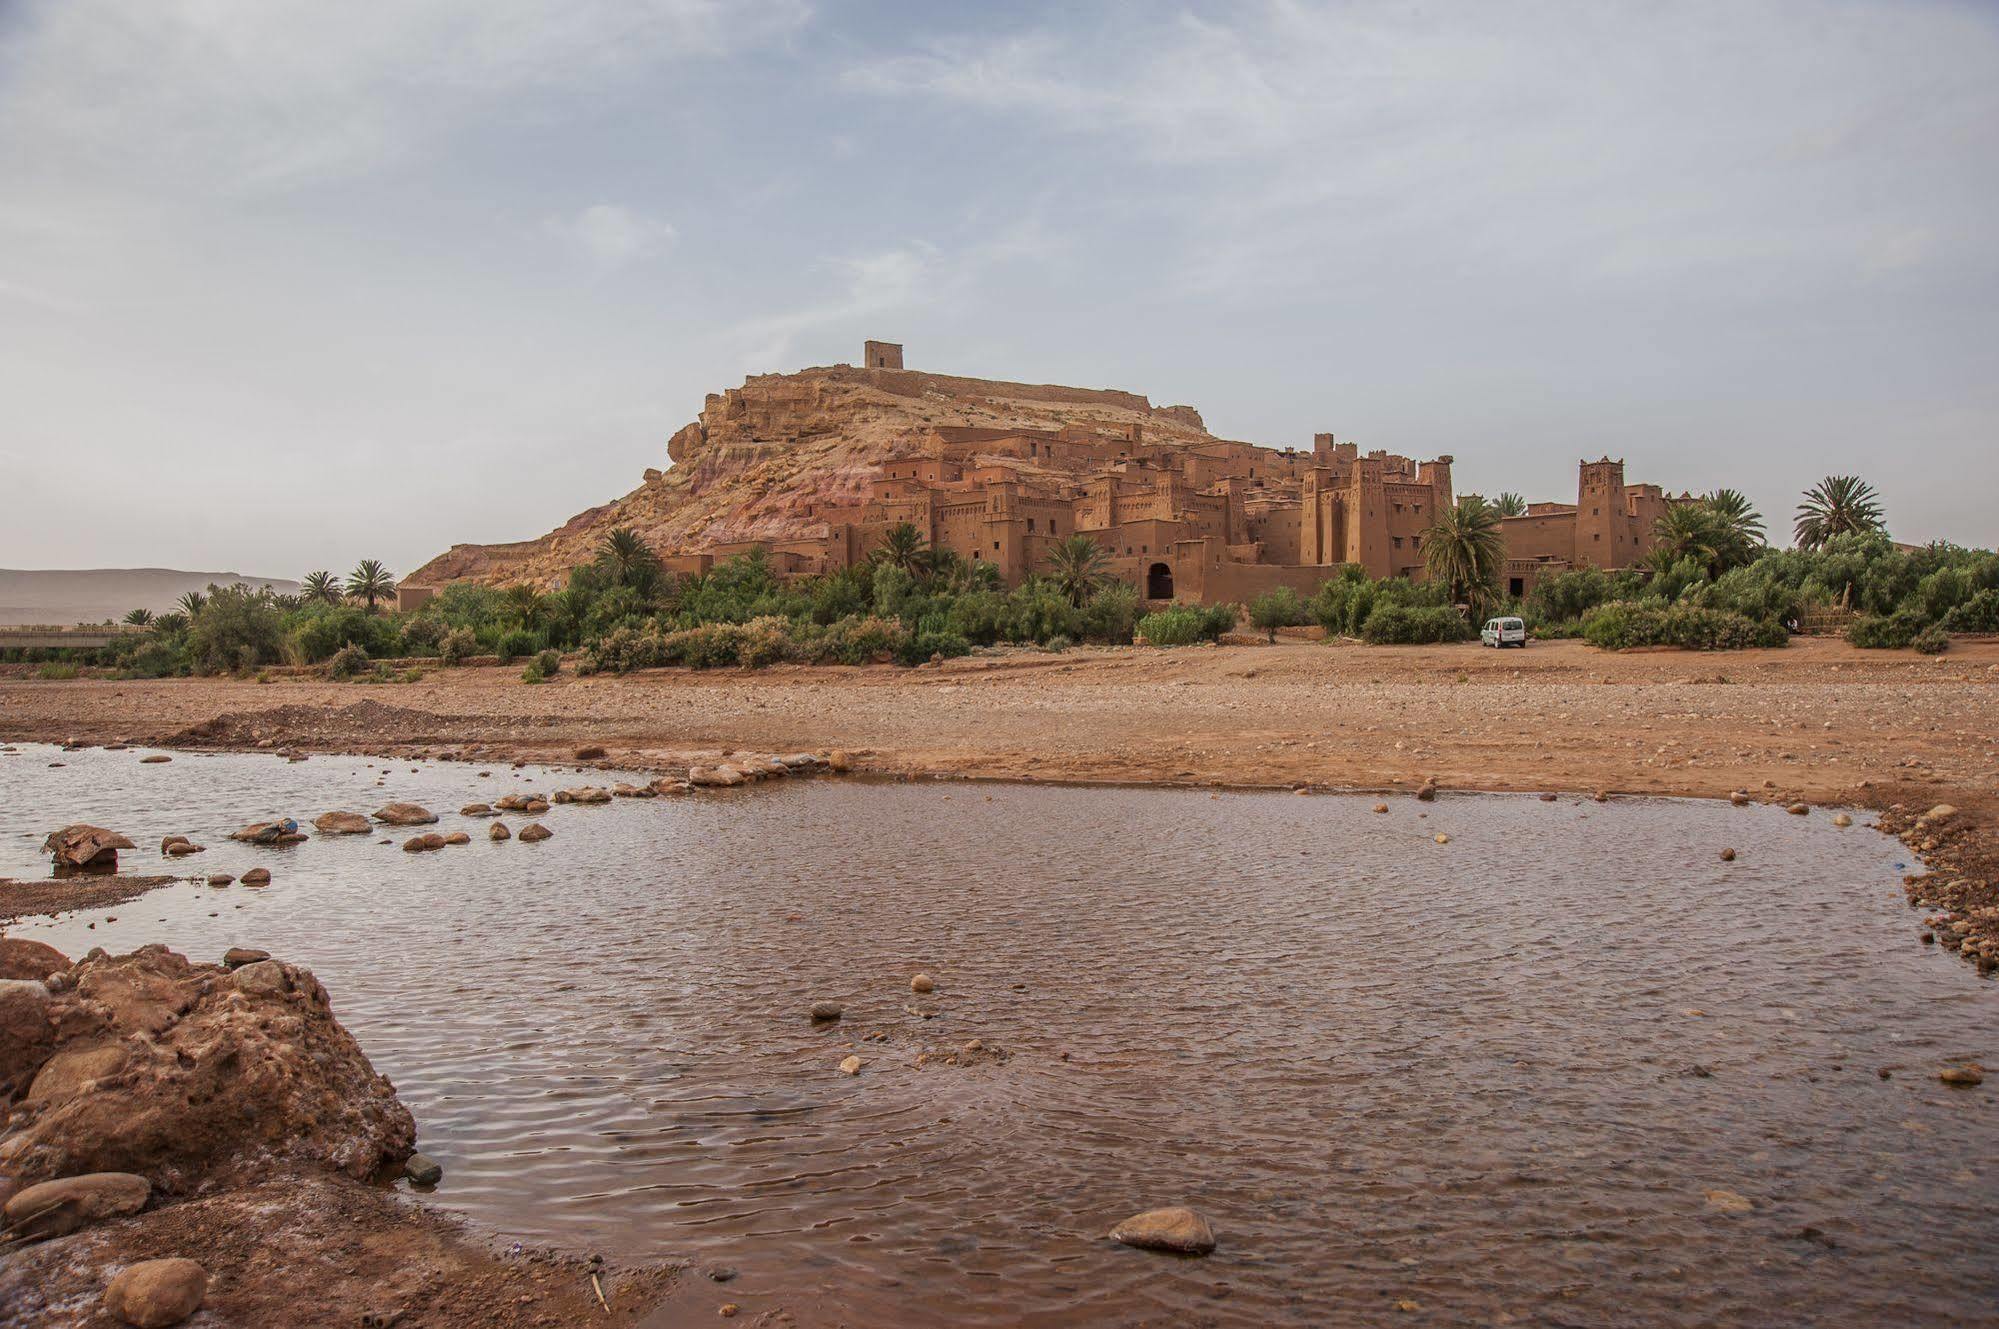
1503 632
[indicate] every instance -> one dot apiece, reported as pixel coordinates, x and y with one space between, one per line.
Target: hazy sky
286 283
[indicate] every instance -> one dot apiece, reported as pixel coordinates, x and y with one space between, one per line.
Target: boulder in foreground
341 823
55 1208
189 1073
1176 1229
405 814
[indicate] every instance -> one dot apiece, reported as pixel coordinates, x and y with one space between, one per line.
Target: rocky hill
760 457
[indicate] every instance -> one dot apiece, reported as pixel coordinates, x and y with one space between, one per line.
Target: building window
1596 512
1398 542
1030 526
1596 535
996 546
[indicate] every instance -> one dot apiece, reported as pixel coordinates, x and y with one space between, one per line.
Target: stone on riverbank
238 956
153 1294
55 1208
22 958
1176 1229
1841 819
189 1074
422 1170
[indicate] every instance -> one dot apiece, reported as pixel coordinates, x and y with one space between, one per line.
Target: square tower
881 355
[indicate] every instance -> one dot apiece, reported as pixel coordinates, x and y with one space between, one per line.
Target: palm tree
170 622
1465 552
1510 504
631 562
370 581
1689 530
321 588
139 618
1077 565
526 604
903 546
1837 505
191 603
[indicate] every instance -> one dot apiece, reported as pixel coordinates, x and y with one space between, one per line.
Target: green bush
515 643
348 662
1111 614
422 635
1886 632
1276 608
1932 640
1978 614
711 646
1057 644
321 630
550 662
763 642
859 639
1177 626
235 629
458 645
533 673
1413 625
53 672
920 647
1622 625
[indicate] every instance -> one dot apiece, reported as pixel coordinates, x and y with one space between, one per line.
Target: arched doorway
1159 582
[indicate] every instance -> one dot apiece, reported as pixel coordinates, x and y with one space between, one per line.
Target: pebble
422 1170
1798 809
257 877
1739 798
851 1066
1728 855
1729 1202
922 983
1841 819
534 832
155 1293
498 831
827 1010
1966 1076
1441 838
1381 807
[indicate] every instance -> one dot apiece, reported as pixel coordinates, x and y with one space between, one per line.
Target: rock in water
220 879
155 1293
238 956
498 831
827 1010
458 837
1428 793
1967 1076
341 823
87 848
257 877
851 1066
1739 798
534 832
922 983
1841 819
1729 1202
422 1170
54 1208
1799 809
405 814
1728 855
1176 1229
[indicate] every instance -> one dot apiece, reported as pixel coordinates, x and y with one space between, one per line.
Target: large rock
405 814
188 1073
266 832
153 1294
341 823
534 832
1176 1229
22 958
85 848
498 831
55 1208
26 1034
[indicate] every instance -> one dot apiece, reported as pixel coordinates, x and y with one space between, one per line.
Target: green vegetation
1711 584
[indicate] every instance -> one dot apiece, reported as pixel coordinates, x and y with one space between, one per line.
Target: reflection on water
1493 1080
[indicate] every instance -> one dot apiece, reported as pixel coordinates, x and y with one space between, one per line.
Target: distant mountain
91 595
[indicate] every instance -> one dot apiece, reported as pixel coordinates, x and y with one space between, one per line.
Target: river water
1488 1081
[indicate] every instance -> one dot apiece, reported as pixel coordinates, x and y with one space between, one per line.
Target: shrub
515 643
764 641
622 650
458 645
550 662
422 635
54 673
321 630
711 646
1412 625
234 629
1623 624
1978 614
919 647
1181 625
533 673
1886 632
347 662
1932 640
859 639
1110 614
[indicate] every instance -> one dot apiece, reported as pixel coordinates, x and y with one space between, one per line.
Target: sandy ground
1819 722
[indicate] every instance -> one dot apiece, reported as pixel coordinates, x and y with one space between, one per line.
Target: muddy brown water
1491 1081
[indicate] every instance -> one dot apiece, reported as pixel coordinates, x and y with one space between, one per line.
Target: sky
285 284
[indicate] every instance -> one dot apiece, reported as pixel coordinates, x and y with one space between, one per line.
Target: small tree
139 618
1510 504
1464 551
1835 506
321 588
1274 609
904 547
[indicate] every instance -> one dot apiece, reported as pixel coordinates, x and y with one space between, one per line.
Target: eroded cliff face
764 459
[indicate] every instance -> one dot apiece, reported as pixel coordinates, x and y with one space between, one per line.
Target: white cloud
611 236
